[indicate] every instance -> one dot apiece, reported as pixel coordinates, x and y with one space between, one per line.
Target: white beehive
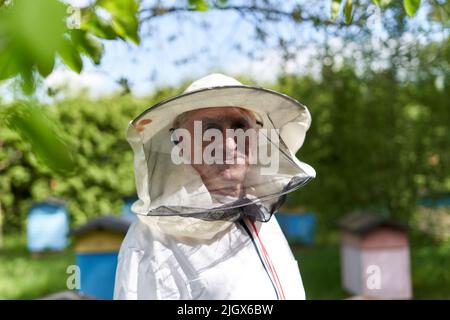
375 260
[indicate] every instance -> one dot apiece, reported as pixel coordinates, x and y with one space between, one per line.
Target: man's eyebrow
223 119
211 119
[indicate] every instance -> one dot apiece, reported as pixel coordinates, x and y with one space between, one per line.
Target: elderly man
212 166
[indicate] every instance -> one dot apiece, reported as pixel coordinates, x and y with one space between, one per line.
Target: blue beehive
433 215
97 244
47 226
126 208
436 200
298 228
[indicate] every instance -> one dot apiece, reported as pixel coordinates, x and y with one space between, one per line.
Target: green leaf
199 5
348 11
97 25
37 128
381 3
45 67
71 57
125 22
411 6
297 14
222 3
9 66
87 44
126 30
31 32
335 7
38 28
27 80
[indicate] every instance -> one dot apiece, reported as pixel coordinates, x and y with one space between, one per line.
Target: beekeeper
212 166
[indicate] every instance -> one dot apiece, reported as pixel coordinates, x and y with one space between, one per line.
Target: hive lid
110 223
361 223
54 201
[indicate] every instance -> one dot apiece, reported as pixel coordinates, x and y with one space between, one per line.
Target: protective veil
192 239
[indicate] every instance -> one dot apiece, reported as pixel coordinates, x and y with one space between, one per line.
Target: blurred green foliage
95 131
411 7
35 125
377 142
26 277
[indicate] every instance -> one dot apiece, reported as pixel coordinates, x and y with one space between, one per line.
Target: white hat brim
276 111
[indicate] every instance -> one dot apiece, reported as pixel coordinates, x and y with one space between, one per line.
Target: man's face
226 178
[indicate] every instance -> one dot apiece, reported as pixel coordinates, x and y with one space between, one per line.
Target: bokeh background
374 74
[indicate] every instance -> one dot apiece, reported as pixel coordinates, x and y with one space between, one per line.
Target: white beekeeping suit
194 242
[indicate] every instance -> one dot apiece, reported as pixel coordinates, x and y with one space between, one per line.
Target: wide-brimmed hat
273 110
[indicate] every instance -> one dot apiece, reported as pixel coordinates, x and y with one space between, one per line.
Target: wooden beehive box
375 259
97 244
298 224
47 226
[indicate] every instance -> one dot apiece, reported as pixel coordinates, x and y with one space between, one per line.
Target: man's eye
239 125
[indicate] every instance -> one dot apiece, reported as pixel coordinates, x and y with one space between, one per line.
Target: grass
320 270
25 277
431 272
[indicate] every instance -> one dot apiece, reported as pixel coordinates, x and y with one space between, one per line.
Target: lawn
25 277
320 270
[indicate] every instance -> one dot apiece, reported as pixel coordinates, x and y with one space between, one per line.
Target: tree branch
270 13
